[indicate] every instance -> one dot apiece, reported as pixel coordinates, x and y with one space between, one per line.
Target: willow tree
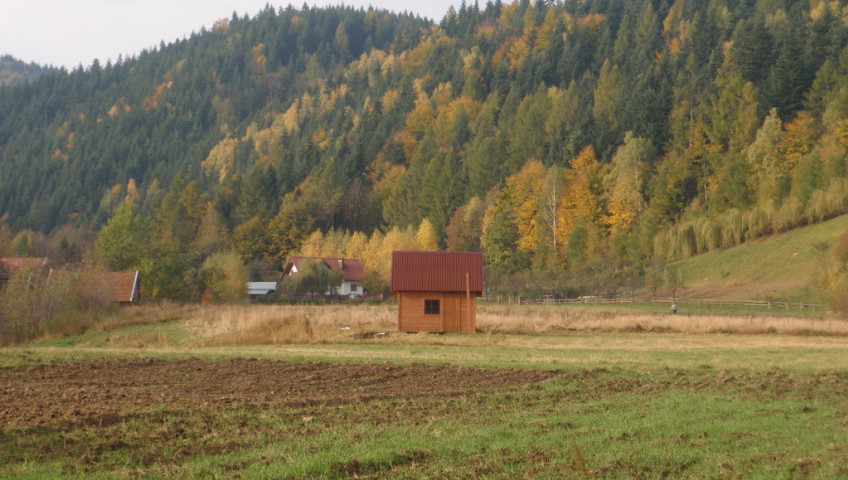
314 278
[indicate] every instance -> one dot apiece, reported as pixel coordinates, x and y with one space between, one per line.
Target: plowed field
105 391
248 418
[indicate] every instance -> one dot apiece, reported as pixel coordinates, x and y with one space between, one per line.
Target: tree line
581 146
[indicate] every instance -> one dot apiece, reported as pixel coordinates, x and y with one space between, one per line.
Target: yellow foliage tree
425 237
370 256
798 138
221 159
394 240
608 106
313 246
546 31
522 189
622 184
356 246
581 202
419 120
335 243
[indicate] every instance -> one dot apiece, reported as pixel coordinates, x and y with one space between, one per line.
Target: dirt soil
106 391
140 418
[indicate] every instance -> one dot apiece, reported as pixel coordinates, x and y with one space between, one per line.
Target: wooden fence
591 300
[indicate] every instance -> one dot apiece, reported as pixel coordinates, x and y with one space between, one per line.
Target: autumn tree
624 182
251 239
286 232
212 234
521 192
466 226
765 162
581 200
224 277
425 237
549 198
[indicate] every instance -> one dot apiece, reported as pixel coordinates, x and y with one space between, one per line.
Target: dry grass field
279 325
537 336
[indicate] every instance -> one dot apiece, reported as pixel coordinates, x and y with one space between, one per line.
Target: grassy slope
781 267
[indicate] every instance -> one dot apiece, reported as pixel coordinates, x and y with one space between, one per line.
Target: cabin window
431 307
353 287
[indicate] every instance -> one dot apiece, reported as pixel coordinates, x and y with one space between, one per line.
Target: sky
68 33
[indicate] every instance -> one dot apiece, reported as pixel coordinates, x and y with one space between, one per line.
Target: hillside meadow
541 391
786 266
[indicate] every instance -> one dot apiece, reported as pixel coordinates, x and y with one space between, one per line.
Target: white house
351 269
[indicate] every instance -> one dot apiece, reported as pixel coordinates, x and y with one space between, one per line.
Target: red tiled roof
119 287
124 285
351 268
437 271
10 265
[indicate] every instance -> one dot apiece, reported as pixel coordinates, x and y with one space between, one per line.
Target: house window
431 307
353 287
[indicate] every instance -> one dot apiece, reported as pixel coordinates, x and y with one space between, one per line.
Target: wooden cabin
437 291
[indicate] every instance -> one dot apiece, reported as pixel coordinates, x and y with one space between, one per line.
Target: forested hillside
580 145
14 71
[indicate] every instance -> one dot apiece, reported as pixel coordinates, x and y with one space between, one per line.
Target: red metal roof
351 268
437 271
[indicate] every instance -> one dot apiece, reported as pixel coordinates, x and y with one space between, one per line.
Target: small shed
260 289
437 291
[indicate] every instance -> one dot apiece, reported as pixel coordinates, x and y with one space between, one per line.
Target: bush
224 278
836 289
33 305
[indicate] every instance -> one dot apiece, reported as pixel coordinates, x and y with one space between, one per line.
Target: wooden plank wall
453 312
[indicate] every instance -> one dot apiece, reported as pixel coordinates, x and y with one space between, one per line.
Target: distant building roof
261 288
437 272
118 287
10 265
124 286
351 268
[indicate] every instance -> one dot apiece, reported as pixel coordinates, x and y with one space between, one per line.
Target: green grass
782 266
699 307
622 405
607 423
636 352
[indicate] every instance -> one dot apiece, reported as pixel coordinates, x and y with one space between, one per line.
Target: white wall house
351 269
